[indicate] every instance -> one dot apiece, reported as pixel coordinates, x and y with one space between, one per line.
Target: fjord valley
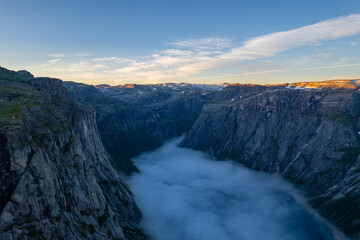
306 132
66 149
180 120
69 152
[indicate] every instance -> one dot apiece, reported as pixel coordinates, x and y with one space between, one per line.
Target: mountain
56 179
307 132
135 118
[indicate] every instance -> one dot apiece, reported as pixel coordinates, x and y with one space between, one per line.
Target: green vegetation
38 139
85 229
14 98
185 121
85 213
342 118
132 233
104 217
91 229
346 211
350 156
68 144
291 149
274 142
9 113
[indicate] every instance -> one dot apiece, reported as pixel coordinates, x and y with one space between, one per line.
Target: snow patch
301 88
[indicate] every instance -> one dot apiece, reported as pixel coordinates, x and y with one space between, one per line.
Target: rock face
56 180
310 136
137 118
306 132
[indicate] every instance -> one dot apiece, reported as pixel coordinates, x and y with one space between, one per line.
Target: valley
305 132
185 194
70 147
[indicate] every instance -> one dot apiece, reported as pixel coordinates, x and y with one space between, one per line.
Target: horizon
118 43
165 83
224 83
206 83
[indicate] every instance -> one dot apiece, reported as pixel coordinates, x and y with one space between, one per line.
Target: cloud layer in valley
193 56
183 194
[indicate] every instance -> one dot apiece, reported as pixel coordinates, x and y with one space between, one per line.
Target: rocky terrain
56 179
307 132
135 118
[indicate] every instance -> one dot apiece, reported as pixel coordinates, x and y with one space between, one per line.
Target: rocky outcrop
306 132
56 179
309 136
135 118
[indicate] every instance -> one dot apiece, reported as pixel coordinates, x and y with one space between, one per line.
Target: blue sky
118 42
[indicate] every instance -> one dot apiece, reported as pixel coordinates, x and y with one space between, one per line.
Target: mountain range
66 147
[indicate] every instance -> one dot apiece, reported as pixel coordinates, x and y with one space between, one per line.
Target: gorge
64 171
184 194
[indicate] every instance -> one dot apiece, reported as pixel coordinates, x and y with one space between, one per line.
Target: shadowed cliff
55 175
310 136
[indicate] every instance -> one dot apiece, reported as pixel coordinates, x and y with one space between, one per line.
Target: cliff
310 136
55 175
135 118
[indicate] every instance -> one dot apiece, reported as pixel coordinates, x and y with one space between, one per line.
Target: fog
185 195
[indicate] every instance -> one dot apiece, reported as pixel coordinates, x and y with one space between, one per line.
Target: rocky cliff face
55 177
137 118
310 136
306 132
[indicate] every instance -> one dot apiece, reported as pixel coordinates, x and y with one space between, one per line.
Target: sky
212 41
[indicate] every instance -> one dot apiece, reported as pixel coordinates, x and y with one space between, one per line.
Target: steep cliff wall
131 123
309 136
55 177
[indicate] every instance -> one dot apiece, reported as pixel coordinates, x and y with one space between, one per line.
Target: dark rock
308 136
21 75
56 179
135 118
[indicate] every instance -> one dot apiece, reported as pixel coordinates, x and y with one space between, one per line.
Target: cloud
204 43
331 66
276 69
177 52
268 45
56 55
61 55
183 194
193 56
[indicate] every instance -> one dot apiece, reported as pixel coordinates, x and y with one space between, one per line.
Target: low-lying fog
186 195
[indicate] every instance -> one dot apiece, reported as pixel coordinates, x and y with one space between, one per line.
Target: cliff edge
55 177
308 133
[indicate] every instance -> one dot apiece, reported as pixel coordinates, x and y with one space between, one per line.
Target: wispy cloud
332 66
192 56
204 43
61 55
56 55
268 45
